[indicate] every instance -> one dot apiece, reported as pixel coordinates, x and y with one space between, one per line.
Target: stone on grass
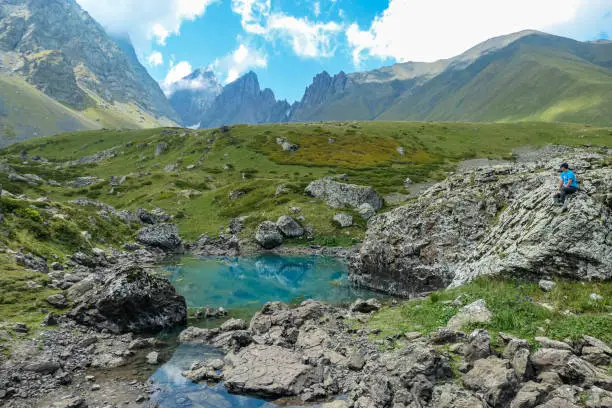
546 285
289 227
58 301
340 195
343 220
268 235
475 312
365 306
366 211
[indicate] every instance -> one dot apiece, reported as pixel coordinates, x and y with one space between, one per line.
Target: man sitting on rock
567 184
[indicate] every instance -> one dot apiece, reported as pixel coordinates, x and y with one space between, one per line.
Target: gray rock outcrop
162 236
493 221
343 220
341 195
129 300
268 235
289 227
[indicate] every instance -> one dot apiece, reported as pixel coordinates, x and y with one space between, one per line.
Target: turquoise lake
242 285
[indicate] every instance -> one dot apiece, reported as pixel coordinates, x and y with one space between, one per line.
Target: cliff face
60 49
494 221
194 95
323 90
243 101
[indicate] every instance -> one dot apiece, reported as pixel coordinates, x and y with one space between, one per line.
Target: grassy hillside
539 78
247 158
528 76
27 112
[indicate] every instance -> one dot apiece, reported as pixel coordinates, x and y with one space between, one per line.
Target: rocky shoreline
315 353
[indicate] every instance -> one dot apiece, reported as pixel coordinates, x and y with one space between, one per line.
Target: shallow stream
242 285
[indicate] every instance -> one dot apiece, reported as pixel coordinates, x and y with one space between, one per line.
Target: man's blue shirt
568 175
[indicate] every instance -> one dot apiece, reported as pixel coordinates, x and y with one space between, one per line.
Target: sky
287 42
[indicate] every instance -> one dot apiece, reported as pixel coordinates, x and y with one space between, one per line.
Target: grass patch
516 307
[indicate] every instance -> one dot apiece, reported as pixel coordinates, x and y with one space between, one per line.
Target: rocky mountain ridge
504 78
64 53
243 101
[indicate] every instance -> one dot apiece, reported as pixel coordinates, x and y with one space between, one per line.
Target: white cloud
412 30
316 8
253 13
307 38
145 20
176 73
155 59
238 62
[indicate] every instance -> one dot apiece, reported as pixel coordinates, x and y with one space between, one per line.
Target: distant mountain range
60 71
525 76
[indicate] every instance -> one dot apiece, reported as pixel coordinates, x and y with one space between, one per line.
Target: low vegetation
212 163
518 308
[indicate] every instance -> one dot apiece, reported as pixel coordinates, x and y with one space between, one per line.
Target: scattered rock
82 182
32 262
268 235
234 324
493 379
340 195
553 344
20 328
475 312
58 301
365 306
366 211
478 346
287 145
289 227
269 371
596 297
160 149
343 220
546 285
163 236
236 194
129 300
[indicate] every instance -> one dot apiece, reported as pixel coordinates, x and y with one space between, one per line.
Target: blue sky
288 42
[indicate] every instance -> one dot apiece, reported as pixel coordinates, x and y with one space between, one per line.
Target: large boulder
268 235
492 221
162 236
341 195
129 300
493 380
268 371
289 227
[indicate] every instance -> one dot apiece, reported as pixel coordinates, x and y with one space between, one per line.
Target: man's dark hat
564 166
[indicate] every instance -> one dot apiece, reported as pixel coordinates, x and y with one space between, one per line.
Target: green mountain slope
536 78
526 76
64 54
25 111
